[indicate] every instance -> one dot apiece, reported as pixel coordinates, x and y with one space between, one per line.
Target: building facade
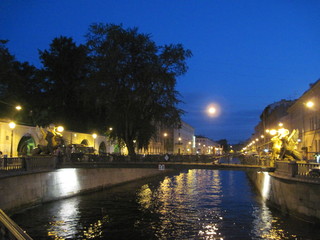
302 115
207 146
21 140
183 139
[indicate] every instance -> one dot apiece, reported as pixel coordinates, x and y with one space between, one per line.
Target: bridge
27 165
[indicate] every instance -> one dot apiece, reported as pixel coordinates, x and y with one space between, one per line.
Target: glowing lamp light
60 129
165 134
273 132
309 104
18 108
12 125
283 131
94 136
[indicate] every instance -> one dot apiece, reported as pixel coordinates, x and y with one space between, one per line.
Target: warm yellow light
283 131
110 128
179 138
273 132
190 143
18 107
94 136
60 129
267 131
309 104
280 124
12 125
262 136
257 139
165 134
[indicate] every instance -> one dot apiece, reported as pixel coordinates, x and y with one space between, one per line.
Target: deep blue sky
246 54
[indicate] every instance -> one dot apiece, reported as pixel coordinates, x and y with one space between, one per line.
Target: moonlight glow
213 110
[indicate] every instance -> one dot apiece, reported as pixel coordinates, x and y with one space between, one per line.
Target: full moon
213 110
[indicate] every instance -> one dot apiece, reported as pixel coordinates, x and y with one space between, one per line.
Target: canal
193 204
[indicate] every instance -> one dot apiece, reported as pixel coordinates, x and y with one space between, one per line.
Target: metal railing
298 169
18 165
9 230
79 157
255 160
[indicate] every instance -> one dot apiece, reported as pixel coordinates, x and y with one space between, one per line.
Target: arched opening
26 145
85 142
102 148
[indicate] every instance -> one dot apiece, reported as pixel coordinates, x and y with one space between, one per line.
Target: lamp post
179 143
12 125
94 140
310 105
165 135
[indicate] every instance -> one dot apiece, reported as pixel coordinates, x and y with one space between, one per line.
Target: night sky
246 54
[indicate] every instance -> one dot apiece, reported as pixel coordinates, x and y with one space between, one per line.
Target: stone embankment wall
23 191
294 196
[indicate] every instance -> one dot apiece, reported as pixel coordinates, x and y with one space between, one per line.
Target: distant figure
1 155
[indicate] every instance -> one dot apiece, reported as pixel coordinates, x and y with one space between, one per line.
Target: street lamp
309 104
12 125
165 135
60 129
94 140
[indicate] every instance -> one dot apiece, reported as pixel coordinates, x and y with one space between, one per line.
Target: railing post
293 168
24 164
5 161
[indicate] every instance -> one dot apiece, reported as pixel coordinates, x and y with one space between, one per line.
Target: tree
224 144
134 81
19 85
65 70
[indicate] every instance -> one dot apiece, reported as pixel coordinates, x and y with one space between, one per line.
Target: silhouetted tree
19 85
65 69
134 82
224 144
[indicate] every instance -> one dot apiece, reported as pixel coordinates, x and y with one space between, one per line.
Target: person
1 155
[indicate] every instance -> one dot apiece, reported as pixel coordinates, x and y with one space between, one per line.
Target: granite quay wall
18 192
294 195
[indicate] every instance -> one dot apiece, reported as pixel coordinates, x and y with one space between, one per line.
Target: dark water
196 204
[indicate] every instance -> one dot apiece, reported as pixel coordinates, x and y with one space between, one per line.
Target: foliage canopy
120 78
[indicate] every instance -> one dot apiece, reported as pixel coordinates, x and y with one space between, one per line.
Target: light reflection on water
198 204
